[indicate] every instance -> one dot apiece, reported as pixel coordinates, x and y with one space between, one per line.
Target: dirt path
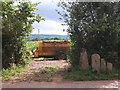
81 84
27 80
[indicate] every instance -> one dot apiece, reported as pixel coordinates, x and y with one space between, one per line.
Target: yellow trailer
56 49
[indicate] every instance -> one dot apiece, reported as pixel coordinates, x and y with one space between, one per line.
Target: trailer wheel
60 56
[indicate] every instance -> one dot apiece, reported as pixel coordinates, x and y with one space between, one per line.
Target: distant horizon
48 34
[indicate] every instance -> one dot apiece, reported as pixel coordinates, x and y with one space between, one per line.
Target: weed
87 75
45 74
7 74
52 69
40 79
41 72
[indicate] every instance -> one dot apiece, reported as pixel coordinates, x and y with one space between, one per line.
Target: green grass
31 45
7 74
47 79
43 59
87 75
51 69
48 72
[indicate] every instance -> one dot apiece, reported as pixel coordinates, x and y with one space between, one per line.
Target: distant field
49 36
31 45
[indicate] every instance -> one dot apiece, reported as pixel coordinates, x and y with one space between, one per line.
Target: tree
94 26
17 23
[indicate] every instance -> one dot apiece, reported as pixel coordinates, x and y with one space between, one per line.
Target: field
31 45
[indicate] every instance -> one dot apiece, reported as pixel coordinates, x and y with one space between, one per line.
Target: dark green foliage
94 26
17 23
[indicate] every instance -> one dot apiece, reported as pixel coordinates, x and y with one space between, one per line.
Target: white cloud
45 1
49 27
52 25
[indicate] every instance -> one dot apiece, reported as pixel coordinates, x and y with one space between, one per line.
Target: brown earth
30 79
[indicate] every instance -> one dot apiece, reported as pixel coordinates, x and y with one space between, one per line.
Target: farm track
26 79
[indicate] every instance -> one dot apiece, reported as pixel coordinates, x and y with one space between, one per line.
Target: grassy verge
7 74
87 75
45 74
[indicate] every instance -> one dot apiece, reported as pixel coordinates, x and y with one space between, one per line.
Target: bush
93 26
17 20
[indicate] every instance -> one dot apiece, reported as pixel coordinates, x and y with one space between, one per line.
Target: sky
52 23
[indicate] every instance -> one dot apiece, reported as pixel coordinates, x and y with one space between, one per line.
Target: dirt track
81 84
57 82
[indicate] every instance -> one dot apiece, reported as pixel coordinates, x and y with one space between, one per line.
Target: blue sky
52 24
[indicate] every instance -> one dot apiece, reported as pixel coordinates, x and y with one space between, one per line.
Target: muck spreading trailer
56 49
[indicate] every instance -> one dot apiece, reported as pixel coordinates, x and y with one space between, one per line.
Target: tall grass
7 74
